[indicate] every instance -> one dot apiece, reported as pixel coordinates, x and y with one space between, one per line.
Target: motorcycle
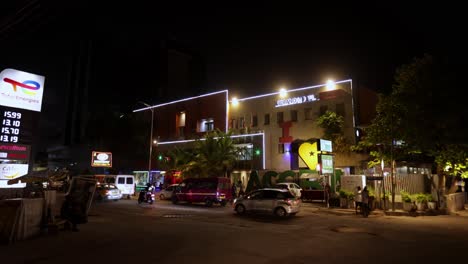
146 196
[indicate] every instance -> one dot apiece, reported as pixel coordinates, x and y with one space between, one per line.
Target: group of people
361 198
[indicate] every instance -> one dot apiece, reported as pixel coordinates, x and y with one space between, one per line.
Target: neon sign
296 100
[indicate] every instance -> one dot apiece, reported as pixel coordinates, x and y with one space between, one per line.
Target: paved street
124 232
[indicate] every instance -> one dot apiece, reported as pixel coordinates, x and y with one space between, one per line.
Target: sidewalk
322 208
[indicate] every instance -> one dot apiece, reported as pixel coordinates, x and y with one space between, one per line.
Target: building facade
268 127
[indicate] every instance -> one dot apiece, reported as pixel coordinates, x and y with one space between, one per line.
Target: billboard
10 172
21 90
101 159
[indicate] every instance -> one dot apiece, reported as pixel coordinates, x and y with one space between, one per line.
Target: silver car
270 201
166 193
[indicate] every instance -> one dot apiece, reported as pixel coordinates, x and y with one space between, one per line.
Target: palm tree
215 155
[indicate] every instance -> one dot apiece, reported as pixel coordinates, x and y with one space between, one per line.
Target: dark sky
260 46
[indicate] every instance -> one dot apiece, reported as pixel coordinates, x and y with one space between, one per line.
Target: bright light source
283 92
155 142
331 85
235 101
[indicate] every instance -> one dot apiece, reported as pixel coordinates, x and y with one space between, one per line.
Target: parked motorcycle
146 196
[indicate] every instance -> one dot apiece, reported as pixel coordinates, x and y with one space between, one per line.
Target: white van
126 184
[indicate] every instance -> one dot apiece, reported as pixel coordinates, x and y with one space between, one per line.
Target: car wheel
161 196
115 200
174 199
223 203
240 209
280 212
150 201
208 202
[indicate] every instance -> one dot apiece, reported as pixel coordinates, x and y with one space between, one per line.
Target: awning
310 176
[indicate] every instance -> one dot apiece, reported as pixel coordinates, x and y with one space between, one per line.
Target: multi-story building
270 127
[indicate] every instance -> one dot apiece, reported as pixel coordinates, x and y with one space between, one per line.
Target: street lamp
151 137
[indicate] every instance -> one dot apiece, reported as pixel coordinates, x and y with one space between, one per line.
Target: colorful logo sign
21 89
10 172
309 154
101 159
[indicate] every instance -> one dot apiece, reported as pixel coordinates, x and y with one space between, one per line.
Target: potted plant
421 201
346 198
430 202
406 199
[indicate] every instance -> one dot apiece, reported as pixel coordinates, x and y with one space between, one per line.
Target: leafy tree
212 156
332 125
423 111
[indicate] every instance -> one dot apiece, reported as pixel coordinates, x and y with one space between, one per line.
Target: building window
209 125
234 123
340 109
294 115
241 122
205 125
308 114
279 117
323 109
254 121
281 148
267 119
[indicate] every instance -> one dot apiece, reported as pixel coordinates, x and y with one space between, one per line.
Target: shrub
421 198
429 197
405 197
346 194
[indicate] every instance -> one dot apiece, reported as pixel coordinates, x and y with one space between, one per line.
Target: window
308 114
279 117
121 181
209 125
323 109
281 148
129 180
205 125
340 109
294 115
254 121
267 119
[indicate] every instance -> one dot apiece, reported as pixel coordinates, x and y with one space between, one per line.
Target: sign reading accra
296 100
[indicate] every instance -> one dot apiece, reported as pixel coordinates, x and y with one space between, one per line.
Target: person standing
357 198
365 198
327 190
240 188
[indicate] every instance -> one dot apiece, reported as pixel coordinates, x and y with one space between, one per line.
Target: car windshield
281 186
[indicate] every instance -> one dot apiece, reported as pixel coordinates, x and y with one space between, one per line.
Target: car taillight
107 192
288 201
152 194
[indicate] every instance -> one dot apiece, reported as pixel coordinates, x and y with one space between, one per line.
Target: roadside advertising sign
101 159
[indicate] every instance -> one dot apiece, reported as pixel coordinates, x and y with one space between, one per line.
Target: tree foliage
332 125
424 111
212 156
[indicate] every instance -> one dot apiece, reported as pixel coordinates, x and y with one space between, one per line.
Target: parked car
167 192
292 187
279 202
106 191
204 190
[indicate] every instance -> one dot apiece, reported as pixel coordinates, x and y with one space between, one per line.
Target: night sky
251 48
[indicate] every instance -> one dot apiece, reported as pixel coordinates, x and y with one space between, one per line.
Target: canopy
310 176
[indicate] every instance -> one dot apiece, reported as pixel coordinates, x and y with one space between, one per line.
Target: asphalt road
125 232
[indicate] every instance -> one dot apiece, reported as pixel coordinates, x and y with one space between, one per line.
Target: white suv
292 187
